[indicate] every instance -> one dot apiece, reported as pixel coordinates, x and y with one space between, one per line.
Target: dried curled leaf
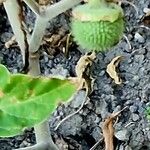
111 69
82 71
108 130
26 101
108 133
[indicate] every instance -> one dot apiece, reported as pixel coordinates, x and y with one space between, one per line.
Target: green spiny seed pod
97 25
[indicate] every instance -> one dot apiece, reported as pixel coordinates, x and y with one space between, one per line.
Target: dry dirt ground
83 130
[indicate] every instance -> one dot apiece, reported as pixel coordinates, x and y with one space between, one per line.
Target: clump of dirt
83 130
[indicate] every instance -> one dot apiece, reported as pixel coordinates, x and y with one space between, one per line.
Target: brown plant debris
111 69
82 71
61 143
43 2
75 81
25 51
1 1
84 79
146 18
9 43
108 130
57 41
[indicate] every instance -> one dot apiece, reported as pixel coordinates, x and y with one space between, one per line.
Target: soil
83 130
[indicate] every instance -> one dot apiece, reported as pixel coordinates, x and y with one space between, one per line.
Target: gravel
82 131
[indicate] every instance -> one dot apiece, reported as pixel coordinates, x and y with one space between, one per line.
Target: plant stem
42 131
43 135
33 6
34 66
13 10
40 146
59 7
37 35
42 20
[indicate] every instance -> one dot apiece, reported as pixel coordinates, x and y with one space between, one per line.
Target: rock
139 59
102 108
122 135
1 59
78 99
25 144
133 109
138 37
72 126
146 10
134 71
128 148
6 36
135 117
59 71
96 133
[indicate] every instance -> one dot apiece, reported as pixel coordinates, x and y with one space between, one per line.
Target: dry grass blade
96 145
111 69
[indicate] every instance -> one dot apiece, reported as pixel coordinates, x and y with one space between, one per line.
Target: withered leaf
111 69
108 130
82 71
108 133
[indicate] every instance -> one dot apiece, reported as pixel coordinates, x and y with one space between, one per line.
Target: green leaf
26 101
4 76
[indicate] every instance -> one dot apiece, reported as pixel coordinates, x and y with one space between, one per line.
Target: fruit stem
97 3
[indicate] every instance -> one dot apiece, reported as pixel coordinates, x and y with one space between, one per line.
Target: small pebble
138 37
135 117
122 135
146 10
133 109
